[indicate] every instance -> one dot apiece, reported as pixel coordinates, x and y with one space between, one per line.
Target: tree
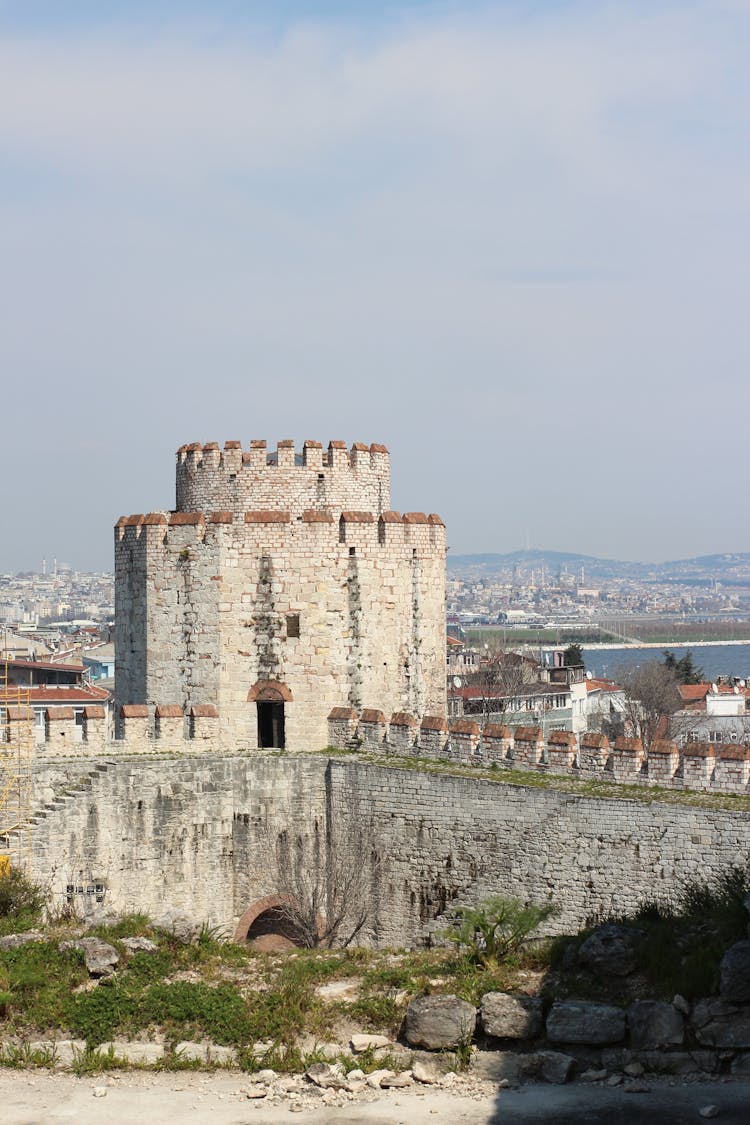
684 670
325 892
651 698
501 676
573 656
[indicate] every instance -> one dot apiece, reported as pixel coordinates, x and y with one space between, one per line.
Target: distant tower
281 587
44 567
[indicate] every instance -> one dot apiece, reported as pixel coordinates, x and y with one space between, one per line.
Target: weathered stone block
718 1024
735 973
654 1023
585 1021
610 950
439 1022
511 1017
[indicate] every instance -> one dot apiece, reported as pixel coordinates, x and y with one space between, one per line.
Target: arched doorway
269 697
269 925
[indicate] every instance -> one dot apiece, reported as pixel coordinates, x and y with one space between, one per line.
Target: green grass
24 1057
232 995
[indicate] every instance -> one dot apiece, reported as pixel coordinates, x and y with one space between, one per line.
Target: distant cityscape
550 592
532 595
54 611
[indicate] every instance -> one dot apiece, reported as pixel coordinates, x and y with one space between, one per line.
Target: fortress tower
280 587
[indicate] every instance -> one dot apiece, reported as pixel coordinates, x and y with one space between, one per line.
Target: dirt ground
40 1098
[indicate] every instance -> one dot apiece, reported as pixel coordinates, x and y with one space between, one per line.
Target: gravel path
40 1098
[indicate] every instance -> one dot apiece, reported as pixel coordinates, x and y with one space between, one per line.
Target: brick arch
260 907
270 902
269 691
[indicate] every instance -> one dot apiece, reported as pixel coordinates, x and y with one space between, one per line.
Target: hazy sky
508 240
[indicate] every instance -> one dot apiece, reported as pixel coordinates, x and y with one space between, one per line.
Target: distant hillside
733 569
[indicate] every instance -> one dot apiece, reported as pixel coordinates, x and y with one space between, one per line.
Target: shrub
21 902
495 928
685 938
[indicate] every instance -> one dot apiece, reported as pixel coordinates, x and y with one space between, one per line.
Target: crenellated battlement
702 766
233 479
415 531
169 728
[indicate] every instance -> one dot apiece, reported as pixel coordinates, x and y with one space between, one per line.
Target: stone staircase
74 789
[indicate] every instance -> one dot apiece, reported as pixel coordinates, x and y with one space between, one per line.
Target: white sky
510 241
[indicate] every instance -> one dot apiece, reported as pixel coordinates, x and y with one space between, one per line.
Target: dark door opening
275 931
271 726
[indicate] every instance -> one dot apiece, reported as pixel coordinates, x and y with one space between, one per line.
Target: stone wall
704 766
212 834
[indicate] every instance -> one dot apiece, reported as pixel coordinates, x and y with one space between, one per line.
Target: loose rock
139 945
709 1111
634 1069
556 1068
718 1024
266 1076
361 1043
610 950
396 1081
326 1076
101 958
13 941
735 973
426 1071
376 1077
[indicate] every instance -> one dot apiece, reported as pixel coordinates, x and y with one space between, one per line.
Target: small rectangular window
292 625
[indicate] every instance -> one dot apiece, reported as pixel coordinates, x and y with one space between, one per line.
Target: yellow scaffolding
16 753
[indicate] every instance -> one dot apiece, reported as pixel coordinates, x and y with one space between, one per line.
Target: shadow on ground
585 1105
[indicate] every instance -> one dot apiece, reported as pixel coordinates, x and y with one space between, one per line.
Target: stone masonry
201 834
284 580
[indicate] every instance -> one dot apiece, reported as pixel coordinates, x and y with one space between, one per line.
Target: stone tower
280 587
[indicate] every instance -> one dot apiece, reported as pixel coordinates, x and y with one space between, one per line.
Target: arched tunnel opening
274 931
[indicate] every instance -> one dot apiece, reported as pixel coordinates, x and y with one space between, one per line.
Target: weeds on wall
686 939
681 942
230 994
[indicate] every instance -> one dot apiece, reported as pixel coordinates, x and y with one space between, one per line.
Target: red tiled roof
62 696
602 685
693 693
45 664
696 693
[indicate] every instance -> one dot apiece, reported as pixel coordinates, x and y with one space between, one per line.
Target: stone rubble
100 957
